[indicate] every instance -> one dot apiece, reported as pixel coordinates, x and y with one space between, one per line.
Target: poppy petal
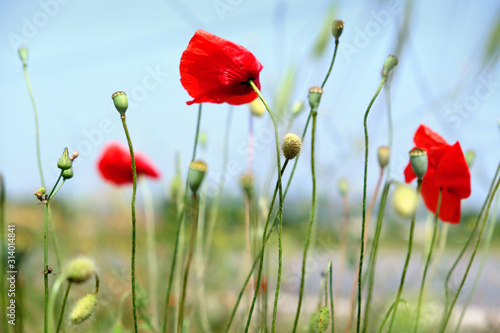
426 138
453 172
450 203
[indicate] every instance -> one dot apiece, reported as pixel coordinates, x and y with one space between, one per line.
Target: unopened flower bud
83 309
389 64
343 186
419 162
121 102
40 192
67 174
337 28
315 97
291 146
257 107
64 162
322 320
297 108
246 182
79 270
405 200
383 154
23 54
74 155
470 156
196 173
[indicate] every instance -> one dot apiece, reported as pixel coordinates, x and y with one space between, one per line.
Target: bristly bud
40 193
257 107
23 54
389 64
83 309
297 108
121 102
343 186
64 162
405 200
79 270
322 320
196 173
315 97
291 146
383 154
67 174
246 182
337 28
419 162
74 155
470 157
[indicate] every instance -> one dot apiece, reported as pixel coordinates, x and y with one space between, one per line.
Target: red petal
115 164
216 70
426 138
453 172
450 204
409 174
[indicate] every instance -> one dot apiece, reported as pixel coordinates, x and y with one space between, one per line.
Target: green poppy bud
246 182
419 162
297 108
121 102
291 146
64 162
79 270
315 97
383 154
470 156
23 54
40 193
405 200
83 309
67 174
257 107
196 173
322 320
389 64
337 28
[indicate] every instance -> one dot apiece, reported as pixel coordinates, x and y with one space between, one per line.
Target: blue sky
82 52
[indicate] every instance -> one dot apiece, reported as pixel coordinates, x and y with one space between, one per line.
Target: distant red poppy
115 164
447 169
216 70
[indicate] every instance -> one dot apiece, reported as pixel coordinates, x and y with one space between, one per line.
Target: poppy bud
79 270
404 200
40 192
291 146
337 28
83 309
121 102
297 108
74 155
246 182
315 97
389 64
23 54
64 162
196 173
343 186
67 174
470 156
322 320
257 107
419 162
383 154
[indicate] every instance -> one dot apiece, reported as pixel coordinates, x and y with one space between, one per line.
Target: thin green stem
56 190
134 192
63 307
192 243
365 178
331 64
391 308
332 309
180 219
476 247
37 133
51 194
387 90
311 220
407 262
51 302
429 256
45 268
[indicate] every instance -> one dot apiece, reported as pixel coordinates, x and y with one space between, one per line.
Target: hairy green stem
365 178
332 309
63 307
45 268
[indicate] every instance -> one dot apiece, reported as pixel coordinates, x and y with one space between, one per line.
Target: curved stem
192 243
407 261
332 309
429 256
391 308
63 306
132 205
45 268
365 177
314 113
331 64
51 303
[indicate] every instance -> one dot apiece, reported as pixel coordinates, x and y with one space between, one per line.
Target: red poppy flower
216 70
446 169
115 164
